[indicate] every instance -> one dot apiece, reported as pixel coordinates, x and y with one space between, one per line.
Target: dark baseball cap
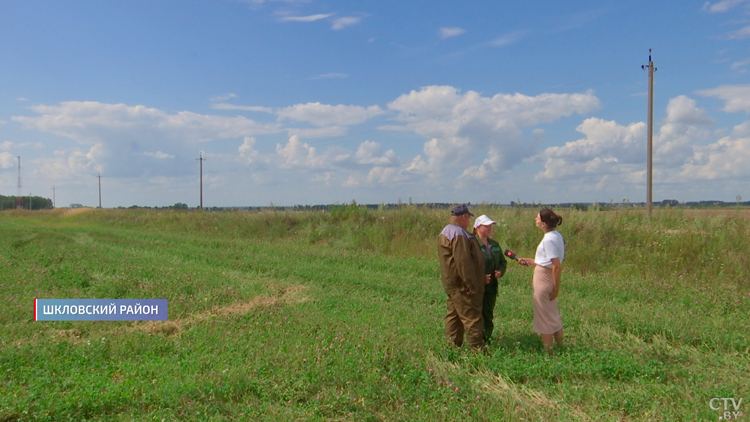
460 210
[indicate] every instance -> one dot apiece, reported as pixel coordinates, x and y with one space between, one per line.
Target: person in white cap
494 268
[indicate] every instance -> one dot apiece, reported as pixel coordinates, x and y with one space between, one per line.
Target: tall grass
675 246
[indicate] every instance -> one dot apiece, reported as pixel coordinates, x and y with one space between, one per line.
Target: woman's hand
555 292
498 274
487 278
556 274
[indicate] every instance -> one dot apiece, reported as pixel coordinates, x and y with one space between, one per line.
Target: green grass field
338 317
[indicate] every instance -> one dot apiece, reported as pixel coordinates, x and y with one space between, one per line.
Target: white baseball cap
482 220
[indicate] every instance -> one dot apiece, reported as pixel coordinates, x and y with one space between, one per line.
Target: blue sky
315 102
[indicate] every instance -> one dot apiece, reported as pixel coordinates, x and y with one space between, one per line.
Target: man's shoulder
451 231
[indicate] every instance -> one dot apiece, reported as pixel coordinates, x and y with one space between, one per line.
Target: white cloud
724 159
740 65
464 137
684 125
223 97
343 22
391 176
377 176
225 106
310 18
507 39
740 34
316 113
742 130
93 122
450 32
297 154
483 171
319 132
736 97
323 114
427 109
727 158
248 152
607 148
464 127
158 154
682 109
366 166
7 145
610 149
369 153
68 166
120 135
7 160
722 6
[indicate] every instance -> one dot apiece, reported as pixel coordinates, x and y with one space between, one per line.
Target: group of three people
471 265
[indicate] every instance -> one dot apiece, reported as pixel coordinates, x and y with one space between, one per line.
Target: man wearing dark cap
462 267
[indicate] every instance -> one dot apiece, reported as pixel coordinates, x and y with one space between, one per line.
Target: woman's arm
557 276
526 261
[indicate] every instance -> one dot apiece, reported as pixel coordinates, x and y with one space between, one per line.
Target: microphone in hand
512 255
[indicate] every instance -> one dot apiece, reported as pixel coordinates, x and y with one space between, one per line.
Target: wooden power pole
99 176
201 159
650 162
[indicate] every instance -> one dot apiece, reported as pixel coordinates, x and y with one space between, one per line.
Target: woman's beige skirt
546 316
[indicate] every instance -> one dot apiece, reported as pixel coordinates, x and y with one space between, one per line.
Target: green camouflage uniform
493 260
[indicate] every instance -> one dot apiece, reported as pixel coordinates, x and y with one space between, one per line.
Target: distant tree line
40 203
26 202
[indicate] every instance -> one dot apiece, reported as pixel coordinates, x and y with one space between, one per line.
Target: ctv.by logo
729 407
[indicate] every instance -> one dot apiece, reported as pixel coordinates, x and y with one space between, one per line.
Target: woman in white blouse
547 274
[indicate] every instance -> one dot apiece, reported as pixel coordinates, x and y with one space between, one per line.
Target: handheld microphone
510 254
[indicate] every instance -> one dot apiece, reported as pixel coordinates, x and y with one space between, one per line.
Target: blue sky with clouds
311 102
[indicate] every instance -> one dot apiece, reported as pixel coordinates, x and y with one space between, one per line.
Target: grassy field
338 317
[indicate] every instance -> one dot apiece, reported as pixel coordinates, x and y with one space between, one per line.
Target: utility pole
100 189
19 201
650 169
201 159
53 197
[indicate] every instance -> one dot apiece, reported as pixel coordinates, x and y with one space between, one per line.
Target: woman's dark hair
550 218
